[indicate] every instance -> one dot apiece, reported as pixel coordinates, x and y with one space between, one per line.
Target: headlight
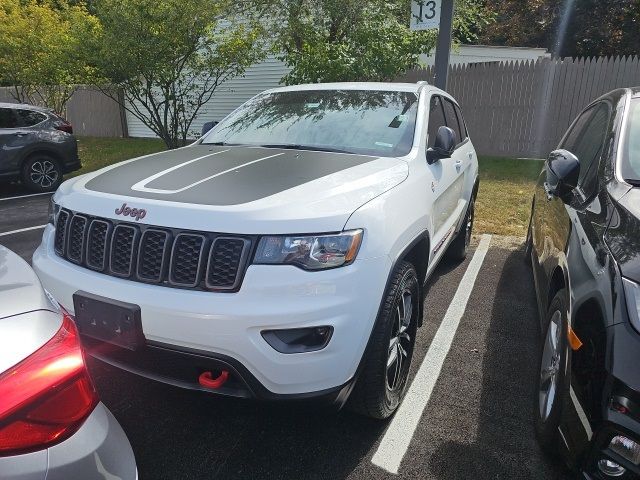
313 252
54 208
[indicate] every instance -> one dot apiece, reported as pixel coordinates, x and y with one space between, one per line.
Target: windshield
367 122
631 152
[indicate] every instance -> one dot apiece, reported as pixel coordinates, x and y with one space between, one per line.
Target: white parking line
26 196
22 230
396 439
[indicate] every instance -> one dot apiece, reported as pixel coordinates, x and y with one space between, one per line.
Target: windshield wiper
633 181
293 146
222 144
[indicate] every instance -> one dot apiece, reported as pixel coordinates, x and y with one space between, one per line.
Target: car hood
623 234
247 190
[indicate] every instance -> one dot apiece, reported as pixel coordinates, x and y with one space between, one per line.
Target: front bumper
98 450
229 325
621 411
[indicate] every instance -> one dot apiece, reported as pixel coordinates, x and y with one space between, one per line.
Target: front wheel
383 380
552 384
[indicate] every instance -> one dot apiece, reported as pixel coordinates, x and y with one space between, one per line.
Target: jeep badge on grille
137 213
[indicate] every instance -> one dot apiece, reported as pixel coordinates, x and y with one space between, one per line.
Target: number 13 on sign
425 14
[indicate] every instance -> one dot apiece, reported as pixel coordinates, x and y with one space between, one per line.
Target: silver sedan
52 424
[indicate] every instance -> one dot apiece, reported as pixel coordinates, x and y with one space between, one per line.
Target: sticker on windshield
383 144
312 105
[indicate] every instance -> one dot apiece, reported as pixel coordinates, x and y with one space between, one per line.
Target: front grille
164 256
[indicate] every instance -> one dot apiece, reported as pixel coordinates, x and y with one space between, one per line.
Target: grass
97 152
504 199
502 208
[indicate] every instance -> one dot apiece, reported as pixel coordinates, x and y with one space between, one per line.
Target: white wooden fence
522 109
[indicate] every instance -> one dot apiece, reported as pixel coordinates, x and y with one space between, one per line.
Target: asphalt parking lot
476 424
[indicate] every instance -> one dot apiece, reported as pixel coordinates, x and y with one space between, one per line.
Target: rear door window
436 119
29 118
7 118
452 119
463 126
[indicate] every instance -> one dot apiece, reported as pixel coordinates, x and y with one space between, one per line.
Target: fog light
626 448
611 468
298 340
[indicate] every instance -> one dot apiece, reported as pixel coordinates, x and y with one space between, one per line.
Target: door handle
20 134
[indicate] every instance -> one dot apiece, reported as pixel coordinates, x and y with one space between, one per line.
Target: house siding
228 96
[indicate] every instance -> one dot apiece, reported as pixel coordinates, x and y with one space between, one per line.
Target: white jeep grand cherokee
282 255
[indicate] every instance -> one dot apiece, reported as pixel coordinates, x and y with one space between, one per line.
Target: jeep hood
248 190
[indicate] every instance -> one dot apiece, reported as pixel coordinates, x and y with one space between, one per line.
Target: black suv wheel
383 380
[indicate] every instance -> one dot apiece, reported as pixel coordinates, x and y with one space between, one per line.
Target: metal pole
443 47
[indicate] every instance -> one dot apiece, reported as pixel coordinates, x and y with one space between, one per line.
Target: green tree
169 57
567 28
43 53
355 40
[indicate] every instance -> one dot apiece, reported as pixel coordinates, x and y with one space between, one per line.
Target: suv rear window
29 118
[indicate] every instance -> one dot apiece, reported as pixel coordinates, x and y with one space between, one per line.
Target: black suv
36 147
584 244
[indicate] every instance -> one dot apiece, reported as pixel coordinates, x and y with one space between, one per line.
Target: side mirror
444 145
208 126
563 170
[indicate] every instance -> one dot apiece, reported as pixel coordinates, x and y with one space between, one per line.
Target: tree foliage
170 56
355 40
567 28
43 53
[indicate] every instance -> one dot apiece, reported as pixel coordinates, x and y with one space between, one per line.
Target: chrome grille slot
152 254
77 232
97 242
61 232
226 260
186 259
123 245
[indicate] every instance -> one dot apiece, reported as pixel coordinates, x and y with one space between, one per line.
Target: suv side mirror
443 147
563 170
208 126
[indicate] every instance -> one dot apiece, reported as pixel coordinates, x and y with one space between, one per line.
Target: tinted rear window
29 118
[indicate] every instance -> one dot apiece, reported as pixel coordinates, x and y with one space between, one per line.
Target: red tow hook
206 381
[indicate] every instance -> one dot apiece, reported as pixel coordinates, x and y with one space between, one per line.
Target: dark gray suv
36 146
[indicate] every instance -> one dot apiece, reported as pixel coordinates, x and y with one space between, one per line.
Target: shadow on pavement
191 435
504 445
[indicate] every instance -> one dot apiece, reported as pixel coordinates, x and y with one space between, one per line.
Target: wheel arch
418 253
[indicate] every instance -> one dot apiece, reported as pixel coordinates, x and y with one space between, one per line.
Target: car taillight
45 398
65 127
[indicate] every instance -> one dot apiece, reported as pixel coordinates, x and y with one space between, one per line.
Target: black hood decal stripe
141 186
212 175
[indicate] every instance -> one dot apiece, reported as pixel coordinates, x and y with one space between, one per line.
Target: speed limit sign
425 14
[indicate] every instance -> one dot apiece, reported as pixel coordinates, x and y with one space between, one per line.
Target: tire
552 370
457 251
41 173
379 388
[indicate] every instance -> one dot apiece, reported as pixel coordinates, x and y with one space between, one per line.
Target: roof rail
422 82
